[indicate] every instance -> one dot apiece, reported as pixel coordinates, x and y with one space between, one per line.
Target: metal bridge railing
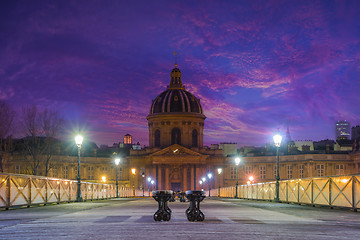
27 190
333 191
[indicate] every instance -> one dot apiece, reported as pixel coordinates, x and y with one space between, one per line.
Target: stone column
167 180
184 179
159 177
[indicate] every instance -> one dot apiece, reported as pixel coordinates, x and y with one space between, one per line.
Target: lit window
320 170
301 171
339 169
262 172
289 172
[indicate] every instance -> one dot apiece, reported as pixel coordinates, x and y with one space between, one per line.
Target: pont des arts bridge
18 190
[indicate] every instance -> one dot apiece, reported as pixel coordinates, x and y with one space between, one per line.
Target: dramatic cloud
257 66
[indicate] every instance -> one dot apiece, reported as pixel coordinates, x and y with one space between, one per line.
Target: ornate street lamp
219 170
209 176
237 162
133 171
78 140
143 183
117 162
149 181
277 140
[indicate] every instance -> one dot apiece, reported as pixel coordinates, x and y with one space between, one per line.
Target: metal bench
164 212
193 213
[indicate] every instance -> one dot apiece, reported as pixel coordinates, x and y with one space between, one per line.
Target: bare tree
41 129
7 116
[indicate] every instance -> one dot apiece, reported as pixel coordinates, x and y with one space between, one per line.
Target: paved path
132 219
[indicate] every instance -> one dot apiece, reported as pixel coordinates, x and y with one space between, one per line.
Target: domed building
176 116
175 158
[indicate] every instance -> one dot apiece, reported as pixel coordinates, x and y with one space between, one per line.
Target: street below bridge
127 218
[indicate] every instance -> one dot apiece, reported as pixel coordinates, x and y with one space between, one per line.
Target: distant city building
128 139
136 146
343 145
355 132
228 148
342 130
305 145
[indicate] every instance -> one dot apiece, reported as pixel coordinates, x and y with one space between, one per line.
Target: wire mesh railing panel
293 191
356 192
321 187
341 191
19 190
283 191
3 190
305 191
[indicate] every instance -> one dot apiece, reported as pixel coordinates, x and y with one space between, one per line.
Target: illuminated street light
237 162
133 171
117 162
203 179
219 170
277 140
103 179
209 176
78 141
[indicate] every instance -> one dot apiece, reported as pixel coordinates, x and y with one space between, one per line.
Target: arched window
157 138
194 138
176 136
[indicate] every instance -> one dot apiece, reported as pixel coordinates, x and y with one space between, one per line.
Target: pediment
176 150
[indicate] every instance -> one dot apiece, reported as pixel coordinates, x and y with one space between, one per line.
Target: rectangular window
320 170
339 169
66 172
120 173
301 171
262 172
248 170
54 171
17 169
289 172
233 172
90 173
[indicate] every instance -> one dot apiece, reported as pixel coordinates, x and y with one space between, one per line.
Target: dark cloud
256 65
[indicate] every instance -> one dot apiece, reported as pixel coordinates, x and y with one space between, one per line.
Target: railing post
353 178
330 182
29 200
298 193
287 191
8 192
312 191
46 191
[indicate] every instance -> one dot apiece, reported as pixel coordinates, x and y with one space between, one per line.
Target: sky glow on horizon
257 66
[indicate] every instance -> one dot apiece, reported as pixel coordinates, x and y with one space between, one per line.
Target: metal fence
333 191
26 190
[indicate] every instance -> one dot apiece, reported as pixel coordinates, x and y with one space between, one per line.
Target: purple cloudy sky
257 66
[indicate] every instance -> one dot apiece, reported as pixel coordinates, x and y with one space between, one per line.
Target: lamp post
203 181
277 140
143 183
133 171
152 183
219 170
117 162
78 140
237 162
209 176
149 181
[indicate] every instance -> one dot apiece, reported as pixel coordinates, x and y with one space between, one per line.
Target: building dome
176 98
176 116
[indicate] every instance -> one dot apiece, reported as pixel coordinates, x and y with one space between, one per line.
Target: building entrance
176 187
